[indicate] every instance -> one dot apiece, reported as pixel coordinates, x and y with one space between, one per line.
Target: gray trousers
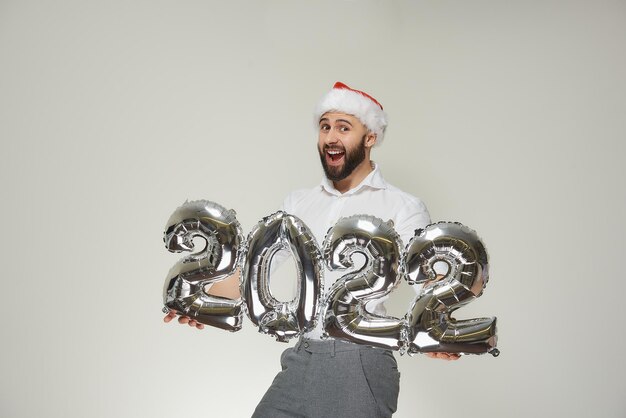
332 378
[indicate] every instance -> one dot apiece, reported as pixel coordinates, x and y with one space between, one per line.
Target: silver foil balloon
452 264
284 320
345 316
184 289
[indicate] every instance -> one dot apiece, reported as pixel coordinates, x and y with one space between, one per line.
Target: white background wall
507 116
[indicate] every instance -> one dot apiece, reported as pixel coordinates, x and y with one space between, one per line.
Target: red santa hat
356 103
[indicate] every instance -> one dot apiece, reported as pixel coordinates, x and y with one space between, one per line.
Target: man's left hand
444 356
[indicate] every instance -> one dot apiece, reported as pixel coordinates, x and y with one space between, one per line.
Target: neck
355 178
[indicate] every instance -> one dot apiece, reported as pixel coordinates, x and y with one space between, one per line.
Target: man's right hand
182 320
228 288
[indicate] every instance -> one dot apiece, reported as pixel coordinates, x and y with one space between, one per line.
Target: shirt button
306 345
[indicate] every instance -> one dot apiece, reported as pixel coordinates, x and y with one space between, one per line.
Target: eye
344 128
324 127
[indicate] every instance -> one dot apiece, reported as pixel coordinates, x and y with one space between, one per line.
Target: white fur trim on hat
351 102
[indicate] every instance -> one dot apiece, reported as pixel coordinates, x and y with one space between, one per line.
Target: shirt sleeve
282 256
414 216
291 201
286 206
411 216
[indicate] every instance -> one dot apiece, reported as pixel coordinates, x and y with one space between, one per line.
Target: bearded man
332 377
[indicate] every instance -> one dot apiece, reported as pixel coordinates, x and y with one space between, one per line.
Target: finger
169 316
183 320
448 356
192 323
199 325
444 356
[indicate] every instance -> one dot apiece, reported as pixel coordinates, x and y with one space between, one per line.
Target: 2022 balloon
426 327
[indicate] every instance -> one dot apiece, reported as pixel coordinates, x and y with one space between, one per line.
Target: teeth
335 152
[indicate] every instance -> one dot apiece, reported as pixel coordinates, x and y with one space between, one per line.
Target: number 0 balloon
272 234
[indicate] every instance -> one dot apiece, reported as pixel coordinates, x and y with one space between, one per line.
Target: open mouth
334 156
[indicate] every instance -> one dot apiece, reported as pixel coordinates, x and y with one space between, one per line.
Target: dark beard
352 159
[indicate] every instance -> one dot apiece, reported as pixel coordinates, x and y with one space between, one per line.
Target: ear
370 139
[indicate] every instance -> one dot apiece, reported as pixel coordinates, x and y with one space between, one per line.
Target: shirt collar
374 180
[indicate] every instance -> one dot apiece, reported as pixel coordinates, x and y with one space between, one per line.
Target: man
333 378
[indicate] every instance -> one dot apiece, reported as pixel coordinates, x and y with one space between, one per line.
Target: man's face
341 144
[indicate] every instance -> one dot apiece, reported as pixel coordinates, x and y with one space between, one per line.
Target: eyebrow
338 120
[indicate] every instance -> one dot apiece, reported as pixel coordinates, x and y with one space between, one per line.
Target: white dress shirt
321 207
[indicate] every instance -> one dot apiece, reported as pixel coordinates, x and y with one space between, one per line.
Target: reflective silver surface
345 316
184 289
284 320
461 253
